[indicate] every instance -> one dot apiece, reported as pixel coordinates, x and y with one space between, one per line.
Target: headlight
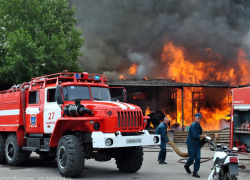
145 120
96 126
109 142
156 139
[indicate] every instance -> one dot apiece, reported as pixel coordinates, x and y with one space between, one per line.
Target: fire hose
182 154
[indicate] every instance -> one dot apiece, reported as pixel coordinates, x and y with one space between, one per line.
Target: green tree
37 37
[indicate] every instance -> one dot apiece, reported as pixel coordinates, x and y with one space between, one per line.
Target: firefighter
193 145
162 130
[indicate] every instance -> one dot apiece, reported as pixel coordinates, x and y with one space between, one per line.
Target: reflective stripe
10 125
32 110
244 107
131 107
116 103
10 112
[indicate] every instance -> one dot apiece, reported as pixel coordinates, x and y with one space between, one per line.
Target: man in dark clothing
162 130
193 145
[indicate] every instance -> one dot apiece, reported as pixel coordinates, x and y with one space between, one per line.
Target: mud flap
233 169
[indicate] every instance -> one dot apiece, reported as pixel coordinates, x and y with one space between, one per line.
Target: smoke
118 33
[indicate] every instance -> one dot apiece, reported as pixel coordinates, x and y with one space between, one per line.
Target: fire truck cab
71 117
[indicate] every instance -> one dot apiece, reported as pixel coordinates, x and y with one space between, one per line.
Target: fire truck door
52 111
33 113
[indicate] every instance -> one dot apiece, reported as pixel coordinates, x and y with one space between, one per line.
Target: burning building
180 101
189 53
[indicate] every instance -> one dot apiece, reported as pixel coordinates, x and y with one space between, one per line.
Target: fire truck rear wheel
2 148
70 156
14 155
131 160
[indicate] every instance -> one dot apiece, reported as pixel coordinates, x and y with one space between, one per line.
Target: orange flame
133 69
151 125
182 69
121 77
147 111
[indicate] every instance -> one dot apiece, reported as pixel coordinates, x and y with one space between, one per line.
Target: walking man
193 145
162 130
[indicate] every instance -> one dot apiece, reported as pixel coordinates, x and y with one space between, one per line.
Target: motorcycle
226 162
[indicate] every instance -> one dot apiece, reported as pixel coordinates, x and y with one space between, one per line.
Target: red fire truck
70 117
240 119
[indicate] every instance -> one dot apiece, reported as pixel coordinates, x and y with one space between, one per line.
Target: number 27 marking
51 115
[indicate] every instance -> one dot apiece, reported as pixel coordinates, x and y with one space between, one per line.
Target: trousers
163 152
194 153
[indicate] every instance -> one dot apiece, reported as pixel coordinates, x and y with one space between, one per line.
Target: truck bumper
115 140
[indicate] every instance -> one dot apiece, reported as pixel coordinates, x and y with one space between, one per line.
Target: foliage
37 37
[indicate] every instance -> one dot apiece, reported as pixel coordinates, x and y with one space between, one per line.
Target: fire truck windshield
72 92
100 93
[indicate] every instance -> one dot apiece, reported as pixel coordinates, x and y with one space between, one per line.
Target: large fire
182 69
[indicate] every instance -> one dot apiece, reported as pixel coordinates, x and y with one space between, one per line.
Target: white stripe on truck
120 104
32 110
9 112
116 103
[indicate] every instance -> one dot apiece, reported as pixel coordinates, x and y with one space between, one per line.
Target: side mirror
124 95
58 95
235 149
208 138
59 99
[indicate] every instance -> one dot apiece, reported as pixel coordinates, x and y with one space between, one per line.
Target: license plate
132 141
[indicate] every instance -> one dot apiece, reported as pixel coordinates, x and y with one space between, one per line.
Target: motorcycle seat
222 160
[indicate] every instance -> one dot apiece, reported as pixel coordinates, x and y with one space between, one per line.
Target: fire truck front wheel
130 160
2 148
70 156
14 155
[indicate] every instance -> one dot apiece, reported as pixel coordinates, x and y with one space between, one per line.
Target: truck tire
14 155
2 148
228 177
131 160
70 156
47 157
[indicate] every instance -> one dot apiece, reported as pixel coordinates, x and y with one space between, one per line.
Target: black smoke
118 33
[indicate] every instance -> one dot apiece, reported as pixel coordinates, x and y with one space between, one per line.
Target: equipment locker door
52 111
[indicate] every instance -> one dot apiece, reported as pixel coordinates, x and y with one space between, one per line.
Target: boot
187 169
195 174
162 162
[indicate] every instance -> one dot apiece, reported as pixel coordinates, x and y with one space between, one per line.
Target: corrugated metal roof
165 83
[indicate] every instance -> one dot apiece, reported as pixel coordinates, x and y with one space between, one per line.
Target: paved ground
40 170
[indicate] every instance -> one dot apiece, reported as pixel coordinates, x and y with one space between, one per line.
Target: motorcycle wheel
228 177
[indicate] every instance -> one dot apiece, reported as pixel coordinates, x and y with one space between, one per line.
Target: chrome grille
129 119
